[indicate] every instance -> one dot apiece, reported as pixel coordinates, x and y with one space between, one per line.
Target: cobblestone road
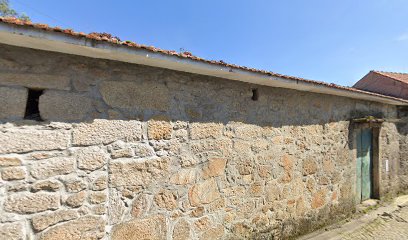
387 222
387 226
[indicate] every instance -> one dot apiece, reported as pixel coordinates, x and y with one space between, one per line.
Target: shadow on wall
71 88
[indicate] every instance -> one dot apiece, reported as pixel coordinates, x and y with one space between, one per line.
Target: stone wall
389 145
130 152
403 167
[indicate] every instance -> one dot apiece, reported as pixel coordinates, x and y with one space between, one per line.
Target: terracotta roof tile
114 40
402 77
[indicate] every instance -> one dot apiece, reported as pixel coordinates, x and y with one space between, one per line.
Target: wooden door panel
366 164
358 166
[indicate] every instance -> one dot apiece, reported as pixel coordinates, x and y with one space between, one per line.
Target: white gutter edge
29 37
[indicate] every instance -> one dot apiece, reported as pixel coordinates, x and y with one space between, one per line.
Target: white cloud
403 37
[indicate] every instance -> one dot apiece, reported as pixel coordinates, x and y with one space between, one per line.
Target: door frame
375 174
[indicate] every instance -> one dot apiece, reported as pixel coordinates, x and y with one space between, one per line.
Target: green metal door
364 164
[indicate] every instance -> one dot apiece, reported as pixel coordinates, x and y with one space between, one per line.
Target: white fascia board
29 37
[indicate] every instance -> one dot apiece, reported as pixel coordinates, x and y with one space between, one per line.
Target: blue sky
327 40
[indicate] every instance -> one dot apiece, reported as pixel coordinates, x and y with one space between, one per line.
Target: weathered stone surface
287 164
220 146
345 191
328 166
203 193
9 161
76 200
133 173
242 230
45 155
100 183
52 167
323 180
158 130
27 140
64 106
214 167
116 207
311 184
12 231
114 115
334 196
18 187
309 166
257 189
13 173
97 197
45 220
47 185
74 184
273 191
183 177
143 150
319 199
198 212
248 131
245 167
31 202
202 223
131 191
166 199
300 207
140 206
206 130
86 227
213 233
106 131
12 102
242 147
181 230
218 204
264 171
35 80
123 153
91 158
154 228
99 209
131 95
84 84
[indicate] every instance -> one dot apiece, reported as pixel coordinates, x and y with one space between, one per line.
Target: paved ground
385 223
387 226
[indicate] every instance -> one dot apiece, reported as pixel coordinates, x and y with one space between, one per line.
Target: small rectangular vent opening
32 111
255 94
402 112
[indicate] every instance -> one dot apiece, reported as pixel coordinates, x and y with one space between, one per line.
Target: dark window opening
255 94
32 111
402 112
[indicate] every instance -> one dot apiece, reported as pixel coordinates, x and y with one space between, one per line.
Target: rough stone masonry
125 151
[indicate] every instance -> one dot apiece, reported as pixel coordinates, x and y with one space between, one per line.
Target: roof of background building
402 77
108 38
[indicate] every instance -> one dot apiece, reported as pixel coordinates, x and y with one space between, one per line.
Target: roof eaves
188 56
